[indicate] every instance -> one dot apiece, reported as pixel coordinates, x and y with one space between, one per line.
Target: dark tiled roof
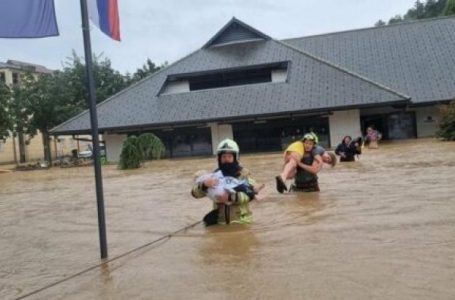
312 85
415 58
235 31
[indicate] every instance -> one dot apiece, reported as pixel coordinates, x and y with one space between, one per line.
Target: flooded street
381 228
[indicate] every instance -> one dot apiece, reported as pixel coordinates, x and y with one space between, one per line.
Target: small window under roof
226 78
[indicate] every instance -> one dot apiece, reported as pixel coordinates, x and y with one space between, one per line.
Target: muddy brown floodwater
381 228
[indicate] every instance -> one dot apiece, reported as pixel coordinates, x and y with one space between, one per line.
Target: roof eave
151 126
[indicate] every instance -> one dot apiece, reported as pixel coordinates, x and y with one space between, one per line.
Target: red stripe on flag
114 21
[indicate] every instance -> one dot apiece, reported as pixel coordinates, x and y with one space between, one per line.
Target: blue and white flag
27 19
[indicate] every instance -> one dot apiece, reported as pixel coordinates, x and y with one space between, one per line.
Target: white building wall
219 133
114 143
342 123
176 87
279 75
427 121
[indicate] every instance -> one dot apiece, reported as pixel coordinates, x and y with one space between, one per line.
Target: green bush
151 146
130 157
447 123
136 150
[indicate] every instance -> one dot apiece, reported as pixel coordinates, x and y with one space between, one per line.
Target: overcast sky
168 30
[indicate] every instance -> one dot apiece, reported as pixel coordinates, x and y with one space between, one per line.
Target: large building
265 93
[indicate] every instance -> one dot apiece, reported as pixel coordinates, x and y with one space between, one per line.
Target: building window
274 72
232 78
2 77
181 142
15 78
277 134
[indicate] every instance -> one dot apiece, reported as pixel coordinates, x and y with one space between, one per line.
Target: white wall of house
279 75
219 133
176 87
114 144
8 76
427 120
342 123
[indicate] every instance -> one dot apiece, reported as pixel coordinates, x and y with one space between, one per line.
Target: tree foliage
43 102
147 69
449 9
424 10
5 120
107 80
150 146
49 104
130 157
447 123
380 23
136 150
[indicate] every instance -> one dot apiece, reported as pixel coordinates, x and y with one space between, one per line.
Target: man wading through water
302 162
231 207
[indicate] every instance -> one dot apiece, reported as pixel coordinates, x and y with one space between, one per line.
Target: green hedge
447 124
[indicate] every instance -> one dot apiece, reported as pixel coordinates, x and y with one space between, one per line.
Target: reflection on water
381 228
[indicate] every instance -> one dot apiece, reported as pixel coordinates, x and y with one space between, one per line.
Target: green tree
380 23
107 80
5 98
424 10
49 104
17 109
447 123
396 19
449 9
136 150
147 69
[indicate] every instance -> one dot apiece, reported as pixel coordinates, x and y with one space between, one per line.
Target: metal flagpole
94 125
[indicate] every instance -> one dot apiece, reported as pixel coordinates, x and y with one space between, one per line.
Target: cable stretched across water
165 237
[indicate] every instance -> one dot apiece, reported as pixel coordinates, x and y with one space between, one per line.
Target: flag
104 13
27 19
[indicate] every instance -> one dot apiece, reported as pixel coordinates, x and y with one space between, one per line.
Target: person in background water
230 207
348 149
372 138
301 163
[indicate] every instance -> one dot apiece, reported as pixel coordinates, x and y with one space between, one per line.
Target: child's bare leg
258 188
291 161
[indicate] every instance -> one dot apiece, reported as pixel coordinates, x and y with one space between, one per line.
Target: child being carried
226 184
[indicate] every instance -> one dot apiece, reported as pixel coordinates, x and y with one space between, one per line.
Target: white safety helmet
228 146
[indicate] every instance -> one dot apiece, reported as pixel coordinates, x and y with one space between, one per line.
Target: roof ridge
404 23
228 24
333 65
124 90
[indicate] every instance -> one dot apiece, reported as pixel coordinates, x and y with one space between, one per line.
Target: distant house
265 93
11 71
24 147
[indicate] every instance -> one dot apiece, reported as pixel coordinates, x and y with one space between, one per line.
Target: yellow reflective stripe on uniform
242 198
197 191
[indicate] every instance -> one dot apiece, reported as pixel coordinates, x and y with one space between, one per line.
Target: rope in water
165 237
